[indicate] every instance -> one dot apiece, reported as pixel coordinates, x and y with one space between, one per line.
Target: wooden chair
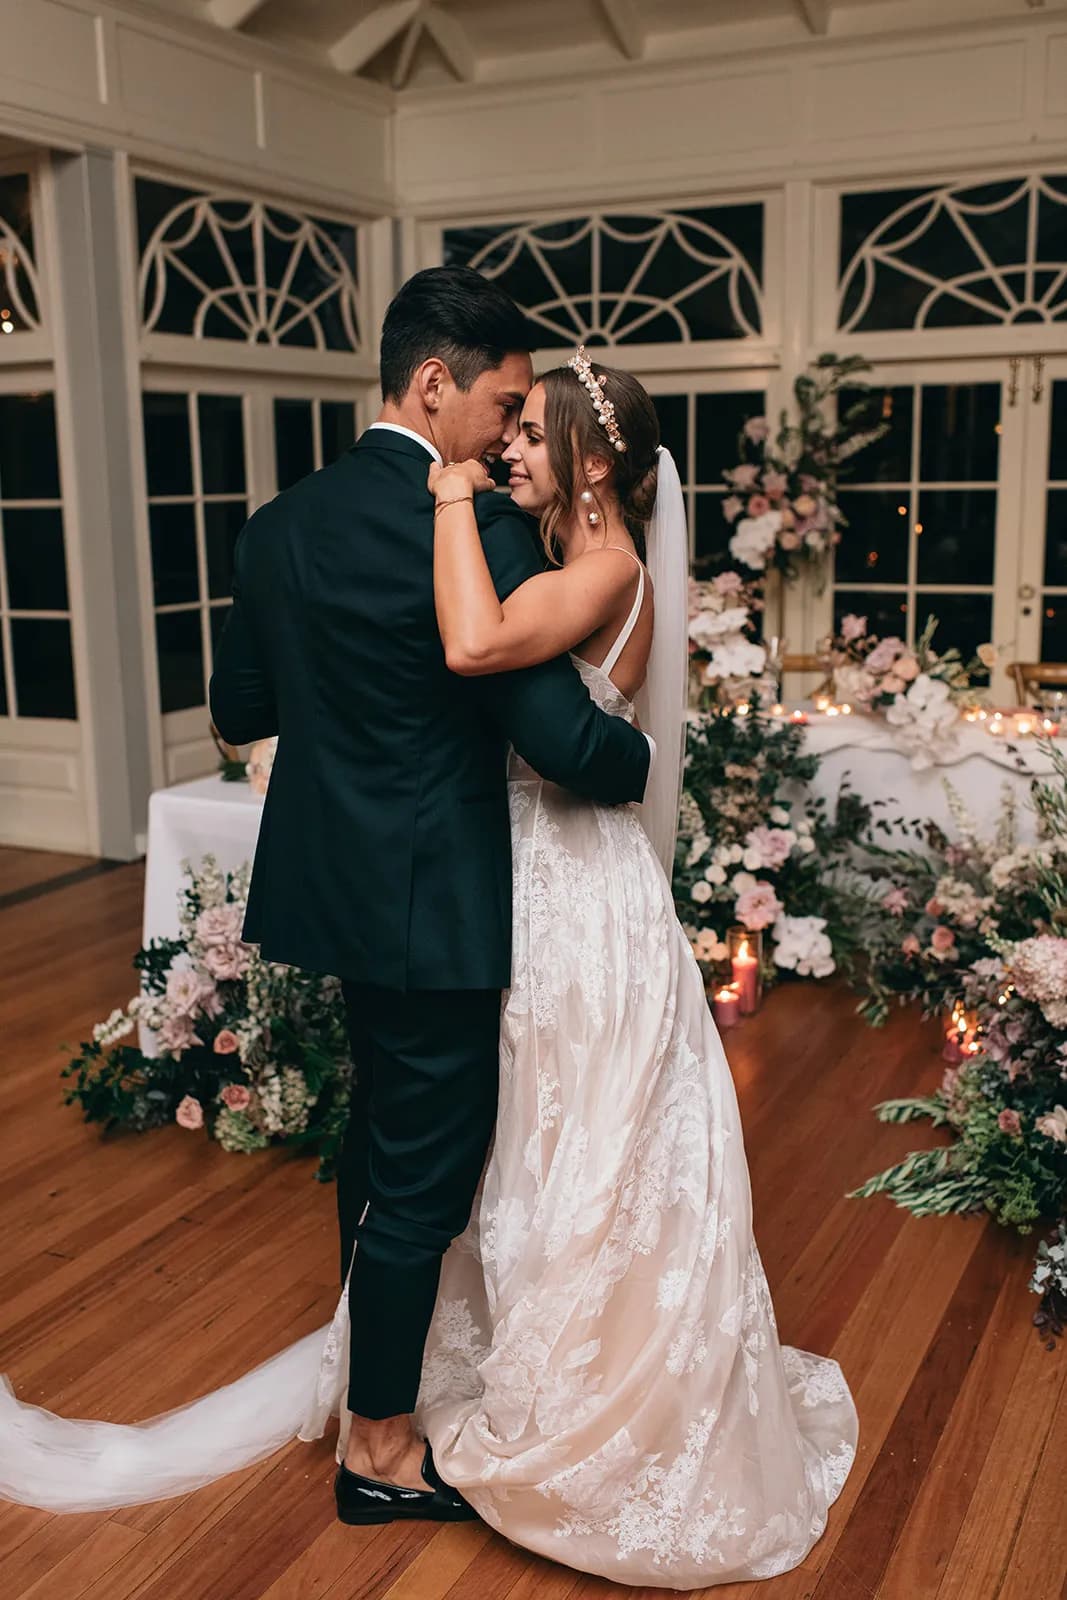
806 663
1030 677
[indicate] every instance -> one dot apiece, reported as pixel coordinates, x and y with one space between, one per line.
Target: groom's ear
429 382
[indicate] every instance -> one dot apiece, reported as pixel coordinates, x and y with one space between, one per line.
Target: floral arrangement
782 501
917 690
723 659
255 1052
980 927
255 771
753 847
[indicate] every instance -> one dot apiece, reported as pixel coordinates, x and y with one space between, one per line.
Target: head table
210 816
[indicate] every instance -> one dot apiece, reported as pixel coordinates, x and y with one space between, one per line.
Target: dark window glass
1056 539
886 611
672 411
887 460
963 620
181 660
29 462
222 443
711 535
958 537
294 446
223 521
1054 629
36 565
168 452
174 570
44 667
874 545
960 439
15 210
1057 443
720 420
338 428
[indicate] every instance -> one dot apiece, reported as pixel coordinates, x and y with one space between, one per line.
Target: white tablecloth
186 823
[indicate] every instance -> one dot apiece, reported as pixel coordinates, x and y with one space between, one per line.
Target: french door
1041 591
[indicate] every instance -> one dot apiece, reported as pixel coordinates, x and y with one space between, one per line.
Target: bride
603 1380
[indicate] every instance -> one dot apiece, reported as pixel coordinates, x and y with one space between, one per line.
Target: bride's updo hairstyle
573 432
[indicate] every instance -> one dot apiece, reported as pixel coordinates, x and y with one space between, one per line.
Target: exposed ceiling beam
372 33
625 27
402 70
232 13
453 41
816 14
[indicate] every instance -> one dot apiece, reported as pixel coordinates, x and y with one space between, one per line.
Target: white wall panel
171 89
1055 85
922 90
640 127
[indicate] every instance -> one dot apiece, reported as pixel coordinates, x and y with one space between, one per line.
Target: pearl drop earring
592 514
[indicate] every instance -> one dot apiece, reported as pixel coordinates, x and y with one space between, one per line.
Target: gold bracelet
458 501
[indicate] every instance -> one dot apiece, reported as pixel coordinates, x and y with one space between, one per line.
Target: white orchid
926 720
755 539
801 945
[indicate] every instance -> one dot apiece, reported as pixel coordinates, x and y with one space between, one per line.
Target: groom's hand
457 480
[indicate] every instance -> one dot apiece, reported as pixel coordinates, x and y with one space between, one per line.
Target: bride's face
531 482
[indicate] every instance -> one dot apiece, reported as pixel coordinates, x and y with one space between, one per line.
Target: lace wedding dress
603 1379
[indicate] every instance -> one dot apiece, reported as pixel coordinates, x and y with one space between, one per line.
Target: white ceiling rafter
625 26
410 21
356 48
816 14
232 13
451 38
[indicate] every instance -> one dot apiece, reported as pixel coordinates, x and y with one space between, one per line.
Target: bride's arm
546 616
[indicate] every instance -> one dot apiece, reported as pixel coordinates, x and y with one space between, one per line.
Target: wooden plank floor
137 1272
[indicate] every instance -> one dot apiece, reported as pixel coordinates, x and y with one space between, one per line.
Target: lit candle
742 708
996 724
778 711
1049 727
846 710
1024 725
799 716
955 1036
821 702
832 711
726 1008
745 968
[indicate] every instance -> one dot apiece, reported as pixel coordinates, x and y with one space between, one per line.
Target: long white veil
661 702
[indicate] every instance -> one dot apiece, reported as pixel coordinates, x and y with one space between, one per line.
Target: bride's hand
457 479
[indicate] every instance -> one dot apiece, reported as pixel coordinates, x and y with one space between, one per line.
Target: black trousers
423 1107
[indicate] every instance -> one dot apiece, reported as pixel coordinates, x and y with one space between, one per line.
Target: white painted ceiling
432 43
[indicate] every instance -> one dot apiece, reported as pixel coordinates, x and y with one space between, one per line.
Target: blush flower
910 944
190 1113
895 901
743 477
226 1042
1008 1122
758 505
757 429
758 907
728 582
177 1034
236 1096
853 627
943 942
1054 1125
219 925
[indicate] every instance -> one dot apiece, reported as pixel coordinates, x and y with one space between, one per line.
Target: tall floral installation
253 1052
975 931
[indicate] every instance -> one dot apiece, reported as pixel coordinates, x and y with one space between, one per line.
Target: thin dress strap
611 660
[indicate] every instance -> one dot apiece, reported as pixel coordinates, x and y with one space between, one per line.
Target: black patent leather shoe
361 1501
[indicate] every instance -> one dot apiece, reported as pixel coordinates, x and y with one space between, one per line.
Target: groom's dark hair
458 316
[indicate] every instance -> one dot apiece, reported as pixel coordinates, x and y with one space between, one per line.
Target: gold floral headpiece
582 368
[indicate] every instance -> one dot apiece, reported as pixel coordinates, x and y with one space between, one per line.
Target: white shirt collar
409 433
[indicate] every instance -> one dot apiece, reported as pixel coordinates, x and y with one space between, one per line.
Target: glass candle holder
746 963
725 1006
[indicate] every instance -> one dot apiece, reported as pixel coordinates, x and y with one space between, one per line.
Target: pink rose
227 962
226 1042
1008 1122
219 925
933 907
906 667
884 654
758 505
758 907
787 518
236 1096
804 505
789 541
177 1035
757 429
744 476
853 627
189 992
910 945
895 901
891 684
775 484
190 1113
942 940
728 583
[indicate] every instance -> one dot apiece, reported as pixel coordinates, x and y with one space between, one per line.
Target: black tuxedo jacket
384 854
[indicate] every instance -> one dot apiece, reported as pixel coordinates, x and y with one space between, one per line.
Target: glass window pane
223 521
1056 538
711 536
36 566
174 571
5 709
958 535
720 419
887 460
44 667
294 448
1057 443
963 620
960 432
222 443
168 452
874 545
1054 629
181 660
886 611
29 463
672 411
338 428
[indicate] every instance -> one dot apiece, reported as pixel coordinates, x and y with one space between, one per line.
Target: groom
384 855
